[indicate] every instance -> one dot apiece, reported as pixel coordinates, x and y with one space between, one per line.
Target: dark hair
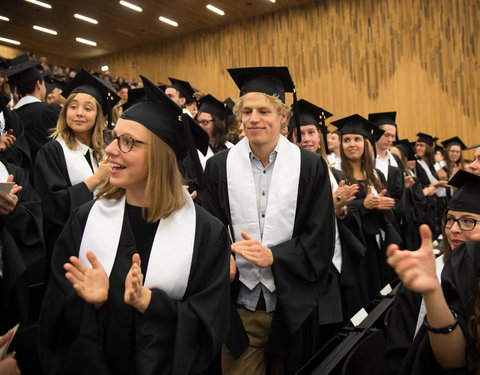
449 165
371 178
218 132
429 154
28 89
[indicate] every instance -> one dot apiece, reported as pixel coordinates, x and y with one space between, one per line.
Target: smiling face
261 120
353 146
310 137
81 114
457 236
454 153
129 169
475 166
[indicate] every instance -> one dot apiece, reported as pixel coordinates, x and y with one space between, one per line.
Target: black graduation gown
415 215
401 324
396 190
38 120
301 265
19 152
460 277
59 197
171 337
22 252
379 272
435 205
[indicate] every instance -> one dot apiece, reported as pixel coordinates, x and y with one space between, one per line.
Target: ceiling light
166 20
215 9
9 41
86 41
45 5
45 30
84 18
104 68
131 6
4 18
273 1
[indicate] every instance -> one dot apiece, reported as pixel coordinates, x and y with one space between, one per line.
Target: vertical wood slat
419 57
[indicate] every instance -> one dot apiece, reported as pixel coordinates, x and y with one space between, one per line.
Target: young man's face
261 120
174 94
386 140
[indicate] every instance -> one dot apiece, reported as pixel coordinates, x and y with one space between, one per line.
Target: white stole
204 158
3 172
337 252
281 207
441 192
382 165
439 263
77 166
172 249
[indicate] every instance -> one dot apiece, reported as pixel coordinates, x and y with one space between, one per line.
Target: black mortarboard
467 197
406 148
310 114
19 59
215 107
271 80
354 124
377 133
134 96
163 117
24 74
454 141
230 104
52 83
383 118
425 138
184 88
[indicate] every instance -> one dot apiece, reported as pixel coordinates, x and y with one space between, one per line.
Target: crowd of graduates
154 228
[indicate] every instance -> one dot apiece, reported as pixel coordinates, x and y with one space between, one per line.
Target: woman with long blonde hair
69 168
140 276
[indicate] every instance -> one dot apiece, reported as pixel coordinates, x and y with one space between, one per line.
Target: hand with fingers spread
9 201
385 203
416 269
344 194
91 284
253 251
136 295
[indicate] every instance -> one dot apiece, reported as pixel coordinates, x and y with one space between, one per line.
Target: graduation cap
355 124
406 148
377 133
184 88
134 96
383 118
215 107
165 119
229 104
52 83
454 141
101 90
425 138
467 197
439 148
270 80
472 147
24 74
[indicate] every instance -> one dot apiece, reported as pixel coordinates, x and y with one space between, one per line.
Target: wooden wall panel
418 57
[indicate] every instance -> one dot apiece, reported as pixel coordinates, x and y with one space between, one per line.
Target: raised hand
136 295
416 269
91 284
253 251
409 181
7 140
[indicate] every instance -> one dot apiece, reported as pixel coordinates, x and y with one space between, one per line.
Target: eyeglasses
464 223
205 122
125 142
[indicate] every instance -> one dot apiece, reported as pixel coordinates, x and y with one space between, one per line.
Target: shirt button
263 193
263 215
264 172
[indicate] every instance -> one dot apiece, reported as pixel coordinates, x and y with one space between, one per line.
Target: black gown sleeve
52 183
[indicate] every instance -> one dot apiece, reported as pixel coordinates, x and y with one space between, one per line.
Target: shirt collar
272 156
26 100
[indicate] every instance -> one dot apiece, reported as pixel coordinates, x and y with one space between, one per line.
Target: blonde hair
63 130
164 191
273 100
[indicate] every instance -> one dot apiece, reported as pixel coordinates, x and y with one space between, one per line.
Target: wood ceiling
119 27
